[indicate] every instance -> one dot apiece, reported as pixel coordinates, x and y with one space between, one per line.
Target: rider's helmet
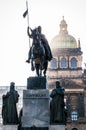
39 29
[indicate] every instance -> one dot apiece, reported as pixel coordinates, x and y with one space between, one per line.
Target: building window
53 64
63 63
74 116
73 63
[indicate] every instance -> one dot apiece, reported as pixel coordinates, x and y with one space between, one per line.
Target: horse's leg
41 66
37 69
32 66
40 72
45 67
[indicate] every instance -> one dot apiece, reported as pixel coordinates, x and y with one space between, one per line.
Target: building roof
63 39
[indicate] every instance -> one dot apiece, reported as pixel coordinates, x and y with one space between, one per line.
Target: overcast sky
14 43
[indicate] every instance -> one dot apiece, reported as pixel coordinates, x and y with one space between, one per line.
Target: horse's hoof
32 68
28 61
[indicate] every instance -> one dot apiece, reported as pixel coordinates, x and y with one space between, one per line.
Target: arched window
63 63
74 116
73 63
53 64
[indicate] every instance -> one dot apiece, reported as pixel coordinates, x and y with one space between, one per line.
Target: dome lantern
63 27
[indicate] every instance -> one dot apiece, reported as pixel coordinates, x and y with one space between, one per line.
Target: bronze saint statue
57 105
9 109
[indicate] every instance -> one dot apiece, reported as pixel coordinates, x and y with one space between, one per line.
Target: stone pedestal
10 127
36 108
36 112
35 128
57 127
36 83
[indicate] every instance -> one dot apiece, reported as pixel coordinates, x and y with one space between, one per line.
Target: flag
25 13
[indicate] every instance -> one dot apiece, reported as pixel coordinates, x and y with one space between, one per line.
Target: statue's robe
57 105
12 99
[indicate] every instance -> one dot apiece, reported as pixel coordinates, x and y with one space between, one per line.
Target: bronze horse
37 56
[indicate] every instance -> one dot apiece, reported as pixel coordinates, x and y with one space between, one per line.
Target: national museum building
66 66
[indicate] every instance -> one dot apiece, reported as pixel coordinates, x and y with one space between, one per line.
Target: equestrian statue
40 53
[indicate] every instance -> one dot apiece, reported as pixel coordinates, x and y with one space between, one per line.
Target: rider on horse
40 52
37 32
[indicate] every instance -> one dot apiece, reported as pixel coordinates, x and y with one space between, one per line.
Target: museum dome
63 39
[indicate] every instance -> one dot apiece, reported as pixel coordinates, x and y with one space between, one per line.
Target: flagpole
27 18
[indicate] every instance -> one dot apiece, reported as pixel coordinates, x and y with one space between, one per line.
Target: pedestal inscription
35 108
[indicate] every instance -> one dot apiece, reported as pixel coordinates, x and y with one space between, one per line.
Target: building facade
66 66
